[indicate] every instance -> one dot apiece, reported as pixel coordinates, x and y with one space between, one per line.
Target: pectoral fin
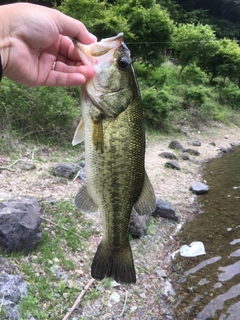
97 135
79 134
84 202
146 202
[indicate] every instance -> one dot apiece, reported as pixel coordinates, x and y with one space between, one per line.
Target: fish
112 128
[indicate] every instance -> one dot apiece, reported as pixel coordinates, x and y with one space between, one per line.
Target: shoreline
173 185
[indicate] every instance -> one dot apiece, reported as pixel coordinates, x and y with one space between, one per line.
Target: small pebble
115 297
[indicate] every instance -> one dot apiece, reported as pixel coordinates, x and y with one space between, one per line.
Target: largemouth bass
113 131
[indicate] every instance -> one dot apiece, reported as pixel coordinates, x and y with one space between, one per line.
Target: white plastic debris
196 248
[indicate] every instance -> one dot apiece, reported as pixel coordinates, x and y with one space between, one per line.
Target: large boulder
137 224
195 143
12 290
165 210
172 165
168 155
174 144
20 224
193 152
65 170
199 187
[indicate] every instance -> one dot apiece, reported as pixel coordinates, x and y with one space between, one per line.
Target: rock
137 224
172 165
184 156
225 150
20 224
193 152
165 210
168 155
143 295
176 145
58 273
115 284
82 174
12 290
26 165
222 149
81 164
194 160
115 297
213 144
65 170
195 143
161 273
199 188
72 284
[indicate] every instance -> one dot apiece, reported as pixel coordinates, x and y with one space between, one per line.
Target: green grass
2 311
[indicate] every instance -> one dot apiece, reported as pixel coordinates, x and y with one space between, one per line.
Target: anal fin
84 202
146 202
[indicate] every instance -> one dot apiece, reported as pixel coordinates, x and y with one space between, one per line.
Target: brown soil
150 298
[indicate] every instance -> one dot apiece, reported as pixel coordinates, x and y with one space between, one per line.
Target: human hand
33 38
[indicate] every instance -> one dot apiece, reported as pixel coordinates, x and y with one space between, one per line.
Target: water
208 286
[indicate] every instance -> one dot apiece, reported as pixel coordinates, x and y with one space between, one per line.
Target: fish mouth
91 54
102 55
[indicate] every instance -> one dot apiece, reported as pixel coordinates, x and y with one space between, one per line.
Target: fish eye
123 63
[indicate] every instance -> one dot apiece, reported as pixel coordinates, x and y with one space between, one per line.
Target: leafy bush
231 95
195 96
156 77
211 109
192 74
156 106
37 111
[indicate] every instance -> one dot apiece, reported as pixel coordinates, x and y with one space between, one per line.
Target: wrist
1 71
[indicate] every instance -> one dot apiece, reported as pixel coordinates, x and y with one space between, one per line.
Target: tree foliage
99 18
222 15
194 43
147 27
200 34
225 62
151 26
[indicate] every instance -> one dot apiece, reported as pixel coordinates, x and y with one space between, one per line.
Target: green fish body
113 131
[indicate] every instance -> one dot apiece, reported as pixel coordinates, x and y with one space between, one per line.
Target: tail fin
117 264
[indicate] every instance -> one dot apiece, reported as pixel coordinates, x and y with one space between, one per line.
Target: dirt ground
151 297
